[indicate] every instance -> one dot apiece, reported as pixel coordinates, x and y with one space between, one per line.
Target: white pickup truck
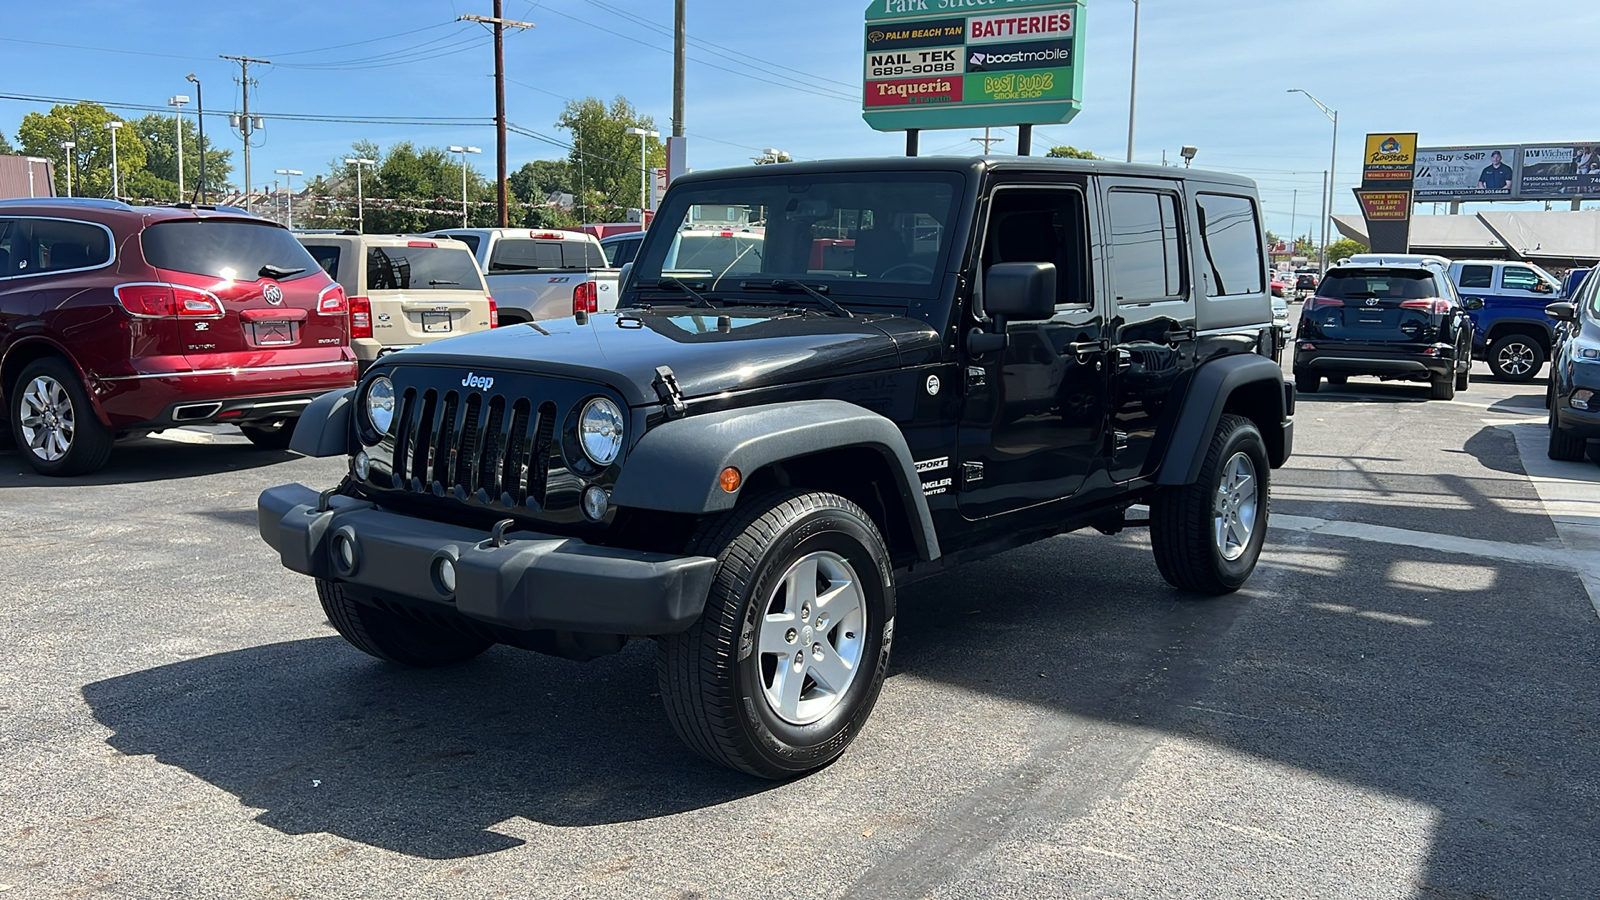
541 273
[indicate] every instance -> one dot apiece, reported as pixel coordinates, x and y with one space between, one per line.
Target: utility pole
986 140
1294 209
177 101
247 126
1133 78
680 35
115 185
500 24
200 123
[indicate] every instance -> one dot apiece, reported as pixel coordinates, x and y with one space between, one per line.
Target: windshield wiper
271 271
437 281
699 299
789 285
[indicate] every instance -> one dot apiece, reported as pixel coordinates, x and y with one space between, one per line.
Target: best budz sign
971 63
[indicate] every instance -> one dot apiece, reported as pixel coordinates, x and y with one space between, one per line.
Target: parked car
1507 303
404 291
118 321
749 473
1572 281
621 248
1574 417
541 273
1398 321
1280 283
1305 285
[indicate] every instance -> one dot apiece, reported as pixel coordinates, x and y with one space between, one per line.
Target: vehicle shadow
147 459
422 762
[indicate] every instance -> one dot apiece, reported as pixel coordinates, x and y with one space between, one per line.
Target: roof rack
80 202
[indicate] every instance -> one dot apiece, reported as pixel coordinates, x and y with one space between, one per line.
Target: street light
1133 78
1188 153
177 101
464 151
289 174
66 149
361 211
645 135
1333 115
114 126
200 120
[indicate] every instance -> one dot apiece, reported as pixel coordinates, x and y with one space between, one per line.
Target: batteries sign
1010 62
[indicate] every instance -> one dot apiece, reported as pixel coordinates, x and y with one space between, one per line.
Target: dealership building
1553 239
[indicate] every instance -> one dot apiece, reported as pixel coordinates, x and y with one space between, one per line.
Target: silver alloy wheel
46 418
812 635
1515 358
1234 510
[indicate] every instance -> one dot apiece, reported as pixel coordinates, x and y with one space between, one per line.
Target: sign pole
911 142
1024 140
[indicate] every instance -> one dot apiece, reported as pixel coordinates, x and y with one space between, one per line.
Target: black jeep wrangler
892 367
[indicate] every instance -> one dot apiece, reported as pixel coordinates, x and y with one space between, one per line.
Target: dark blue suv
1507 301
1575 373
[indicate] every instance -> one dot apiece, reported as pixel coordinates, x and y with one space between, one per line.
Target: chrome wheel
1515 358
46 418
812 634
1234 509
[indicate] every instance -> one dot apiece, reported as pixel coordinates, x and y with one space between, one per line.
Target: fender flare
1209 389
323 430
1542 324
675 466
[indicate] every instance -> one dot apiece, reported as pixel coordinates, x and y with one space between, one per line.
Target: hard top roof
973 164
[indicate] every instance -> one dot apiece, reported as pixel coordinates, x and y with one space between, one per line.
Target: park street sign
962 64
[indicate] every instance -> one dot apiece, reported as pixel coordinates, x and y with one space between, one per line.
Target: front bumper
1383 361
532 582
1577 422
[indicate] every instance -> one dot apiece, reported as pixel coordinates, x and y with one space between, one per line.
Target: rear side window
1146 260
227 248
429 268
620 253
34 246
526 255
1384 284
1477 277
1231 236
327 258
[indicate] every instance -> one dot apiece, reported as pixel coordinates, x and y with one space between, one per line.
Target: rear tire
1306 383
271 435
1338 380
1443 387
1516 357
728 683
1463 379
53 423
1208 535
391 637
1564 446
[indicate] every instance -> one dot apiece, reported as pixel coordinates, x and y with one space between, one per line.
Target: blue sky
1210 74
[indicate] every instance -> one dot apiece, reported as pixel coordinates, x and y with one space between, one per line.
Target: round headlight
380 404
600 431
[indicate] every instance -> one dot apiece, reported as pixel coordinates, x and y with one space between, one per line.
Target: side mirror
1562 312
1472 303
1021 292
1539 287
622 277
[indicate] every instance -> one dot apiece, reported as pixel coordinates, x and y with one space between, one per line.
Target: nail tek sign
971 63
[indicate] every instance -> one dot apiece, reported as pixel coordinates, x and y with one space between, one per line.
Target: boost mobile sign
971 63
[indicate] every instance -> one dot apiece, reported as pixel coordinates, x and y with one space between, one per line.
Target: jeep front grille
488 448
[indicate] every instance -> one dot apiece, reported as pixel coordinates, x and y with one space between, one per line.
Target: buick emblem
1372 301
273 294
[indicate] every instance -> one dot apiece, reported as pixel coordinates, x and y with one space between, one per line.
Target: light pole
645 135
1333 162
31 161
361 211
288 213
114 126
1133 78
66 149
200 122
177 101
464 151
1188 153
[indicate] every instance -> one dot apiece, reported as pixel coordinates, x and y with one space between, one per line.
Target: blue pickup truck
1506 301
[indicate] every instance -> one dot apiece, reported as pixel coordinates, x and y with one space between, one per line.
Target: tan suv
404 291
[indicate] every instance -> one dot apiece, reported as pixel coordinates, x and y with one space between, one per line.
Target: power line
105 49
430 49
293 117
367 41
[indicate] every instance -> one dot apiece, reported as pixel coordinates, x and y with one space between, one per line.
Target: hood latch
666 385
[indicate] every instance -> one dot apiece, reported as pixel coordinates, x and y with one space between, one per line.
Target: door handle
1081 349
1180 334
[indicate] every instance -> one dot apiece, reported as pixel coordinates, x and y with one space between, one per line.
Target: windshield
1384 284
874 237
238 250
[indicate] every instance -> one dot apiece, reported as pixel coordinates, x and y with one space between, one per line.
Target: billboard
1466 173
1390 157
1011 62
1560 171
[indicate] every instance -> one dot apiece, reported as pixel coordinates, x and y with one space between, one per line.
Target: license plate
435 322
270 334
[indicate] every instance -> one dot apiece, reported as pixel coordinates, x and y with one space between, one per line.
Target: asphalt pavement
1401 703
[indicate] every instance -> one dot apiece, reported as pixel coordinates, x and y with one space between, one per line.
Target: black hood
710 351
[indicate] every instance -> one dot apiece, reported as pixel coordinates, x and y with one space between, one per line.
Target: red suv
118 320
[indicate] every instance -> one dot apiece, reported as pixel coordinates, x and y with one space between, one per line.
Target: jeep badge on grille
482 383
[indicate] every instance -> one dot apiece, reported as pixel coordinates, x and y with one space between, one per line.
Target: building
26 176
1550 239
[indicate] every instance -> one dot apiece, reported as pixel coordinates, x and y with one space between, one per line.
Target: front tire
1442 387
270 435
781 671
1463 379
393 637
53 423
1564 446
1208 535
1516 357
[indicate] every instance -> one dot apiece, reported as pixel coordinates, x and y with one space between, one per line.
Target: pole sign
972 63
1385 193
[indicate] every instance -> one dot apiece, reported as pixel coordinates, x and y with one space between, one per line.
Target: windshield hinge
666 385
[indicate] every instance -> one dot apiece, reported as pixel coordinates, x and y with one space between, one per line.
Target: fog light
363 465
344 554
1580 399
445 571
595 502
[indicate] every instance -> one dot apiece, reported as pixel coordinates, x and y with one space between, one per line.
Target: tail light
150 300
1437 306
360 317
494 314
585 299
331 302
1322 303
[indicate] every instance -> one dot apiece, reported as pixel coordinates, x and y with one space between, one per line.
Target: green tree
410 190
1344 247
42 134
605 157
5 146
160 137
1066 151
1304 247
